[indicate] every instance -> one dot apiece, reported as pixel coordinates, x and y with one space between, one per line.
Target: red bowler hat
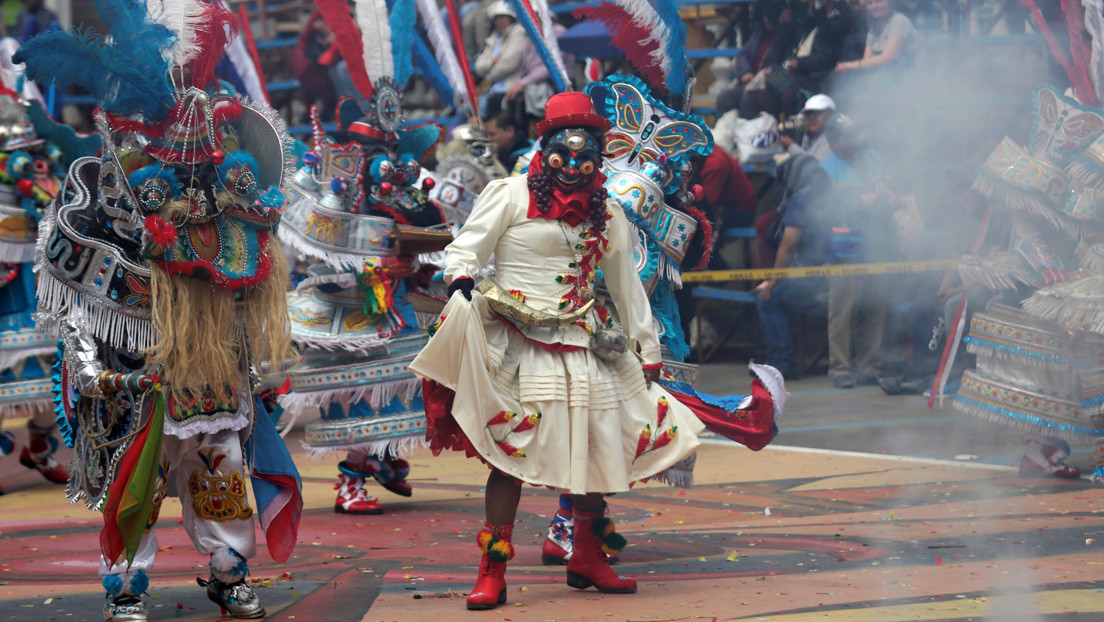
570 109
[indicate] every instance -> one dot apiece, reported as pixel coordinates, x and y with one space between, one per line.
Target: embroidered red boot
594 538
490 588
351 496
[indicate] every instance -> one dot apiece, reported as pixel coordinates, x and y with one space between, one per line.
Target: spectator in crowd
926 15
801 228
891 40
817 50
862 230
510 137
760 51
728 196
34 18
818 109
502 62
475 25
312 61
526 97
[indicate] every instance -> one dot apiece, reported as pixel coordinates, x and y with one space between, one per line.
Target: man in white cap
816 112
502 61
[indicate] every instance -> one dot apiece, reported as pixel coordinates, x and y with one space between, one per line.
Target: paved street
859 513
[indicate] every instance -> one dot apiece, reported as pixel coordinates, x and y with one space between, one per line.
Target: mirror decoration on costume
158 269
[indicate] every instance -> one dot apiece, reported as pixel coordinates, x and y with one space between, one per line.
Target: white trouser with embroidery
205 471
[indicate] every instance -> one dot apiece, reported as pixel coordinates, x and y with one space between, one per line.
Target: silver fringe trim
342 279
11 252
401 447
350 343
26 409
1023 426
338 261
1084 175
11 357
56 300
377 394
1072 310
1021 201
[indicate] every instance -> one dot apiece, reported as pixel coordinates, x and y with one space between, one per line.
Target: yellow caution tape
889 267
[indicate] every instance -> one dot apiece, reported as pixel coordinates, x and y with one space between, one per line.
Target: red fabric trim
552 347
753 428
573 207
188 268
652 366
392 212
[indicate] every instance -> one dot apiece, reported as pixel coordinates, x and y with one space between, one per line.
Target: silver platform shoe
236 599
125 608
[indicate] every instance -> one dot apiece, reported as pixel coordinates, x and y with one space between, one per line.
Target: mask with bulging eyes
573 157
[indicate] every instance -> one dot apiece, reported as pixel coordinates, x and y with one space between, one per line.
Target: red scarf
571 207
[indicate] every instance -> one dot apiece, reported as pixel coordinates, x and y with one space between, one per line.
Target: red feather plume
627 37
347 37
219 27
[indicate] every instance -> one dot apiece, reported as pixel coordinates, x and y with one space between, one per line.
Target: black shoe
844 381
891 385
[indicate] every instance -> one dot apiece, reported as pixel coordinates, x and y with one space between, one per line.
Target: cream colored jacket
530 253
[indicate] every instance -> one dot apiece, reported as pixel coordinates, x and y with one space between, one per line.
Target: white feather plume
548 33
183 17
375 33
443 48
645 16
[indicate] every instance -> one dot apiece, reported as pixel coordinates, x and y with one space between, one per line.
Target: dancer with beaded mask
159 270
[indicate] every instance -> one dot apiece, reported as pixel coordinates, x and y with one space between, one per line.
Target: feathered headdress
127 74
445 53
652 36
366 45
131 72
536 18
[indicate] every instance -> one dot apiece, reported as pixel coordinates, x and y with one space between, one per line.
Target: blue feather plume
668 12
129 75
402 20
119 85
531 29
431 71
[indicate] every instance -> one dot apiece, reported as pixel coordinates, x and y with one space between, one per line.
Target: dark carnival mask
573 157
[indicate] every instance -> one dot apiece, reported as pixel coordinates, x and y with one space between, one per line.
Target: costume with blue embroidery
1040 342
159 269
33 157
358 208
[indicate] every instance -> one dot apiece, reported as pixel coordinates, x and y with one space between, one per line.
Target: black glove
462 284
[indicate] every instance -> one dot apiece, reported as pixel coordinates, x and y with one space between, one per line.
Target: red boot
352 498
594 537
37 455
1047 459
490 588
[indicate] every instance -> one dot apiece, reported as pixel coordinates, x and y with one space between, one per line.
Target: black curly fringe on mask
598 208
541 185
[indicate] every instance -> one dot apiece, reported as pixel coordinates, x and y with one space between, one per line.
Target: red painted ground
846 538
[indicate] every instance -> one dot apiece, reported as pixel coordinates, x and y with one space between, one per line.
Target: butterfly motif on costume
1062 126
645 129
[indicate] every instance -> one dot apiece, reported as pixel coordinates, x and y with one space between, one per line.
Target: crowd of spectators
818 69
813 66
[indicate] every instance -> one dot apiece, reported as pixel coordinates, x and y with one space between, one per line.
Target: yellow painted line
1053 602
889 267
